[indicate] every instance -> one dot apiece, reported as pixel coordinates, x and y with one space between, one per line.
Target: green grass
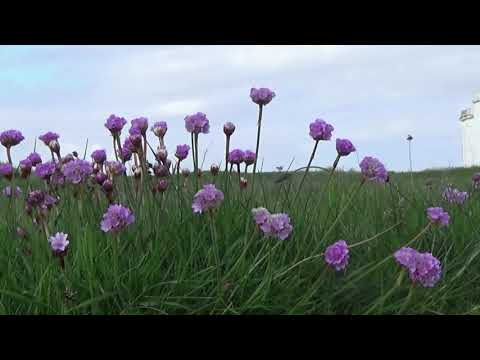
166 262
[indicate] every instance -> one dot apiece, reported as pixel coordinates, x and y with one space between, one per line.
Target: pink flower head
275 225
423 268
141 124
11 138
197 123
34 158
260 216
77 171
115 124
115 168
207 199
48 137
59 242
116 218
344 147
7 191
372 169
321 130
249 157
337 255
159 129
454 196
236 156
182 151
6 170
45 170
99 156
438 216
476 180
261 96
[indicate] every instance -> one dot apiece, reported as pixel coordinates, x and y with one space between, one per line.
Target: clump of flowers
476 180
455 196
141 124
11 138
197 123
48 137
59 243
438 216
249 157
262 96
45 170
77 171
337 255
6 170
236 156
160 129
115 124
207 199
229 128
25 168
182 152
99 156
115 168
372 169
321 130
34 158
116 218
344 147
423 268
275 225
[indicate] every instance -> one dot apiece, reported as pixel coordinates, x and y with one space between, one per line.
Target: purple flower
455 196
34 158
99 156
35 198
278 225
48 137
438 216
49 201
344 147
126 154
6 170
141 124
162 185
261 96
77 171
100 178
197 123
7 191
135 142
58 242
57 178
236 156
228 128
115 167
127 144
423 268
182 152
115 124
116 218
25 165
207 199
321 130
160 128
249 157
11 138
260 216
337 255
373 169
476 180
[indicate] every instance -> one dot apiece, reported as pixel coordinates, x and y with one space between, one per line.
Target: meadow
177 250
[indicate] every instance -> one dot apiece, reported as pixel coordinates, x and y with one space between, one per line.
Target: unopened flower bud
185 172
162 154
228 128
107 186
100 178
54 146
137 172
162 185
160 170
243 183
214 169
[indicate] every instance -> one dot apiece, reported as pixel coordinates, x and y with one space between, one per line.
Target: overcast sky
373 95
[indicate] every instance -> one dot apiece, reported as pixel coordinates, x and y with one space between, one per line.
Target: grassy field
166 259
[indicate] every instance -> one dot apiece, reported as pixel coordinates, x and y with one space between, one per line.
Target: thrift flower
48 137
337 255
59 242
373 169
141 124
207 199
261 96
249 157
438 216
197 123
6 170
77 171
182 152
34 158
115 124
11 138
321 130
229 128
455 196
236 156
160 129
116 218
344 147
7 191
277 225
423 268
99 156
115 168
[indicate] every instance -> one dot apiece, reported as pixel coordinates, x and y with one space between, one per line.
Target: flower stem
259 127
216 250
227 150
306 170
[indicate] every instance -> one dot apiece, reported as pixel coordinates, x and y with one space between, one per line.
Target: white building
470 120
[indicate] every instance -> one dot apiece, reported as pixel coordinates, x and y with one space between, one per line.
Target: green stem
213 234
259 127
312 156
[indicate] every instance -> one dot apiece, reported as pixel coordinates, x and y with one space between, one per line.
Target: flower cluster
11 138
438 216
182 151
139 125
321 130
344 147
423 268
207 199
59 242
275 225
115 124
159 129
48 137
337 255
372 169
116 218
45 170
261 96
99 156
6 170
454 196
77 171
197 123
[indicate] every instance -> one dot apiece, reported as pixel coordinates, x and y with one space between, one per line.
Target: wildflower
34 158
236 156
162 154
141 124
423 268
260 216
214 169
243 183
277 225
116 218
261 96
249 157
207 199
182 152
160 170
11 138
100 177
115 124
136 142
337 255
453 195
6 170
228 128
476 180
57 178
7 191
373 169
59 242
99 156
35 198
48 137
25 168
107 186
115 168
438 216
125 154
321 130
185 172
344 147
54 146
77 170
160 129
197 123
162 185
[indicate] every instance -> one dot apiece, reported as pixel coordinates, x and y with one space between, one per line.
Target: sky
373 95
